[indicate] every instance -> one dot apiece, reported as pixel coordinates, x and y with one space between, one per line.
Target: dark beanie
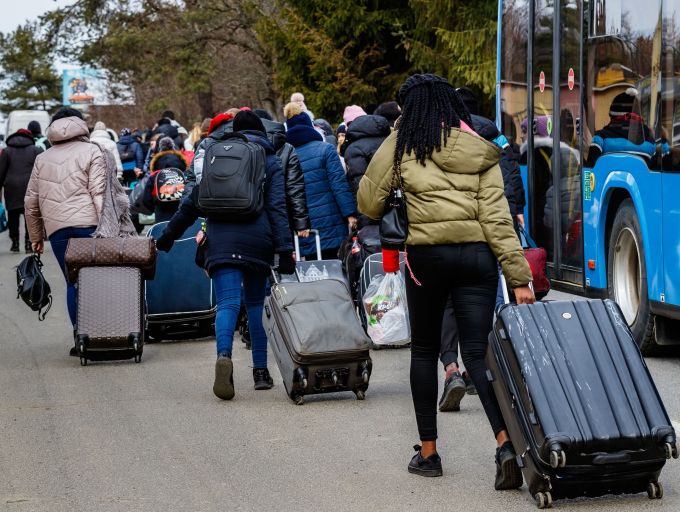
623 103
299 119
248 120
389 110
262 114
34 128
469 100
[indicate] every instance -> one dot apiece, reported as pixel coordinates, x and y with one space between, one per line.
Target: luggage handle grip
317 240
611 458
504 286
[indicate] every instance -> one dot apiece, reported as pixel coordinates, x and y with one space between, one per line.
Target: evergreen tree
26 70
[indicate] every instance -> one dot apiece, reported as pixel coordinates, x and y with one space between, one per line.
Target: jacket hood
20 140
222 130
100 134
126 140
368 126
484 127
465 153
261 139
276 133
67 128
160 154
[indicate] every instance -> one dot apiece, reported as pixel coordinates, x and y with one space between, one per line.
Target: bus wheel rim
627 274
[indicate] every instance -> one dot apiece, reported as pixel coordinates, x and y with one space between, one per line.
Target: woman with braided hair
459 226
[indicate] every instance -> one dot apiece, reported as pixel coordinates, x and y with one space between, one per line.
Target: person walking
102 137
65 193
16 164
331 205
364 136
456 384
41 141
239 254
131 156
459 226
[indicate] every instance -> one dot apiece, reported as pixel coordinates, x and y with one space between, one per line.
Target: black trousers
469 275
13 218
450 337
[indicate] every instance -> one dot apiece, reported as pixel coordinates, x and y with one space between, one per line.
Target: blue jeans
58 241
227 282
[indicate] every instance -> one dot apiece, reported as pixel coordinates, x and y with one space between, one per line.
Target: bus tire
627 276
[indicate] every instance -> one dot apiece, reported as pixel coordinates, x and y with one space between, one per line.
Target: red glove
390 260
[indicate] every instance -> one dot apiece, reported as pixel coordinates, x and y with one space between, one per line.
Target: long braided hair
430 108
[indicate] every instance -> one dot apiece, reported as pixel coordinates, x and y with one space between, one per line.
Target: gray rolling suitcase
581 408
110 317
316 338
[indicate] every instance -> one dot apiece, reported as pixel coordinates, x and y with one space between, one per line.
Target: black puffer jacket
512 179
296 198
364 137
16 164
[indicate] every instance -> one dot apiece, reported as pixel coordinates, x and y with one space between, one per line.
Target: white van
18 119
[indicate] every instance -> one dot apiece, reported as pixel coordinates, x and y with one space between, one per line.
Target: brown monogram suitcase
110 318
133 251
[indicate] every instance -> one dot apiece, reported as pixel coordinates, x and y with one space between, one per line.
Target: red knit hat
218 120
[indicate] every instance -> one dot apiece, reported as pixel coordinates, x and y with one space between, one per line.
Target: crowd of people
463 210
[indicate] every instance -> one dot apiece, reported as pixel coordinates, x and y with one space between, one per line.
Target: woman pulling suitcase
240 253
459 226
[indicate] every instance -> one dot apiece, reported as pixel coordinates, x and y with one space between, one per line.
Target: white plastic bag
387 310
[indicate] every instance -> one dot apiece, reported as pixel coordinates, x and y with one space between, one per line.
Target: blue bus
588 91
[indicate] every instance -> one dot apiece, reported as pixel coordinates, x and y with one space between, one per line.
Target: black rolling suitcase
582 411
316 339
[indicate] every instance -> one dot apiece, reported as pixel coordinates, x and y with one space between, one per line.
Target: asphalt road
152 437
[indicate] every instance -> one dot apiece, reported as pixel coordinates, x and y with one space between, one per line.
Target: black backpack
32 287
128 153
232 183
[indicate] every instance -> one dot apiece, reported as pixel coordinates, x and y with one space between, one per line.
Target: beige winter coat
67 184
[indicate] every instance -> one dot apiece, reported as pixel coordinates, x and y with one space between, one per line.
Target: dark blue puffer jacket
329 199
252 243
127 143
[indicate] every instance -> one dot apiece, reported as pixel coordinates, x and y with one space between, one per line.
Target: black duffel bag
32 287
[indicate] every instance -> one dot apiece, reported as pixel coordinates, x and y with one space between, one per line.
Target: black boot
15 245
28 247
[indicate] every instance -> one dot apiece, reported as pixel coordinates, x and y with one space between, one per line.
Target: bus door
554 180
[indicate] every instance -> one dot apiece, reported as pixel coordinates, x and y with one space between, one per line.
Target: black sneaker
470 388
454 391
15 246
432 466
224 378
262 379
28 247
508 474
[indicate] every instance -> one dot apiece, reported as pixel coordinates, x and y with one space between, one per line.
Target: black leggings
469 274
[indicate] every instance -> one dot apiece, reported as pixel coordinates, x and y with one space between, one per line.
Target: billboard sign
87 86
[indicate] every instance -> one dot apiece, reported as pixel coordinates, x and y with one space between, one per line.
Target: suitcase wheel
543 500
138 358
671 451
83 361
361 394
299 399
302 378
655 491
558 459
365 376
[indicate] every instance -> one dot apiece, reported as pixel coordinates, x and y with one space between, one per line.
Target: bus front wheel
627 275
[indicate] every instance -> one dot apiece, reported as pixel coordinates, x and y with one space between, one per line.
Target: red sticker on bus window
571 78
541 81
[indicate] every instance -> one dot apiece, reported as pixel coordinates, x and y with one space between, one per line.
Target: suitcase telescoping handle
317 239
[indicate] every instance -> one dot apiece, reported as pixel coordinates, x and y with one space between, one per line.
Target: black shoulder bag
394 220
32 287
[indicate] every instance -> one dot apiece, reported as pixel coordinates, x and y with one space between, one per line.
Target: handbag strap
530 241
397 179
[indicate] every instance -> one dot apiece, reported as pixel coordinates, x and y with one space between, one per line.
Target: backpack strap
232 135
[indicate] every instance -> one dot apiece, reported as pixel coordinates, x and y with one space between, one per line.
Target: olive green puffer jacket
457 197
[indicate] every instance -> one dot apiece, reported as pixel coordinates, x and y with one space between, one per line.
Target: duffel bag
132 251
